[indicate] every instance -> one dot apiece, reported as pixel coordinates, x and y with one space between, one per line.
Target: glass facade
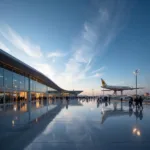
14 88
26 84
1 77
8 79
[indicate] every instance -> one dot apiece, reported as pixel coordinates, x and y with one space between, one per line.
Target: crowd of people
138 102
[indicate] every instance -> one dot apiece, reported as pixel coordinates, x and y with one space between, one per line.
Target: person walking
141 102
131 102
109 99
121 100
136 102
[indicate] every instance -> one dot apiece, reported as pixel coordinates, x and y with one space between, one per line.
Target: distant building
146 94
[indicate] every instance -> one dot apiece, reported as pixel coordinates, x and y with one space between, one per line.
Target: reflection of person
136 102
98 104
67 102
67 105
121 106
136 113
131 102
52 100
141 114
130 111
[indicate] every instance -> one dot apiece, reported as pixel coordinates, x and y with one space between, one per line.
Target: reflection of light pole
136 73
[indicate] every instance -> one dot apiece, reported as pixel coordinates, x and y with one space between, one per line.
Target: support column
115 92
29 99
47 99
136 84
4 101
121 92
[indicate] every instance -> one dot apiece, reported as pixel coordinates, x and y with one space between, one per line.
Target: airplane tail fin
103 82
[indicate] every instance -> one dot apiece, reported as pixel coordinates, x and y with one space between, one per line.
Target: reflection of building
20 82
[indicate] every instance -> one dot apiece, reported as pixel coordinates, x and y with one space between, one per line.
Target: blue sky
78 42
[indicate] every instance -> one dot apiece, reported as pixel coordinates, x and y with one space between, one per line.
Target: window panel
7 78
26 83
16 80
21 83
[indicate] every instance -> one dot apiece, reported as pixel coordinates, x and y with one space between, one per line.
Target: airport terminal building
20 82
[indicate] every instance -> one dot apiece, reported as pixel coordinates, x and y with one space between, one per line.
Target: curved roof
14 63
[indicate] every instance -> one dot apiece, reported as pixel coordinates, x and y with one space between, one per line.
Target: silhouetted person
136 102
121 100
105 98
109 99
67 98
131 102
87 100
2 100
52 100
141 101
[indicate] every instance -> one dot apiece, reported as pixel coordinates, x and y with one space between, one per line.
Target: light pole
136 73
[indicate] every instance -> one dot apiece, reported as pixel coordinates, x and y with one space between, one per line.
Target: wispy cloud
98 70
96 75
98 32
56 54
21 43
45 69
4 47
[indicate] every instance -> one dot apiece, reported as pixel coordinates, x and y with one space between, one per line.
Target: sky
77 42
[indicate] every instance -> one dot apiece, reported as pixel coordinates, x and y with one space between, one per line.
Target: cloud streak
56 54
95 37
4 47
98 70
21 43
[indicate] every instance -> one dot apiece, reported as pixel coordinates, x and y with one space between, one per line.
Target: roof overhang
15 64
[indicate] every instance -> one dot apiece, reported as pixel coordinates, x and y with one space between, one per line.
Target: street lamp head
136 71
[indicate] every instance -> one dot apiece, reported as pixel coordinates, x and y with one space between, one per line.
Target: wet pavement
86 125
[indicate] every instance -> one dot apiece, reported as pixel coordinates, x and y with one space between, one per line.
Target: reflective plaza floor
85 125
